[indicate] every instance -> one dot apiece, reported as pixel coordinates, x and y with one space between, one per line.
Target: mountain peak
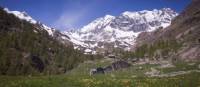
109 17
148 13
21 15
166 9
98 23
122 30
24 16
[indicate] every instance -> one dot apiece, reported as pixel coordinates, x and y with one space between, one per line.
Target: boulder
98 70
119 65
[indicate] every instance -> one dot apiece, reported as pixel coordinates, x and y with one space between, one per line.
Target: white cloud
69 19
74 14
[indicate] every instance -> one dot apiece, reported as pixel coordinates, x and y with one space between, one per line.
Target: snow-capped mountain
108 32
26 17
120 31
63 38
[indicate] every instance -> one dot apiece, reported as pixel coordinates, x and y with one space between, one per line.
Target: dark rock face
114 66
37 63
117 66
120 65
98 70
198 40
108 69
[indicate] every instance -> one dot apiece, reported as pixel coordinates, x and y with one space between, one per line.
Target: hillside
28 47
179 41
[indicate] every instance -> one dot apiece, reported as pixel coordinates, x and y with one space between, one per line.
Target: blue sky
65 14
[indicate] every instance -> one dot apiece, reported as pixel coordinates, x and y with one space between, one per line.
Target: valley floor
138 75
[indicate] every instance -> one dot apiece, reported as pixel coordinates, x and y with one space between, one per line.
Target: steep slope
29 47
51 31
121 31
178 41
25 16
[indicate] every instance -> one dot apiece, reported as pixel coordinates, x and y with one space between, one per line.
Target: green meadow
133 76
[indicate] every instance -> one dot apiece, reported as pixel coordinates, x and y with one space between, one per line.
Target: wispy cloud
73 15
69 19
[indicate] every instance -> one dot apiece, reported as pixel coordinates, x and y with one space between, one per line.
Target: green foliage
164 47
28 49
188 80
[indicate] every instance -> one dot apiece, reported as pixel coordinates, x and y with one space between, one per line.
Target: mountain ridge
27 48
121 30
109 31
179 41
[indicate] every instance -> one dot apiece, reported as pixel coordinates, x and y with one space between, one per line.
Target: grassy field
187 80
130 77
